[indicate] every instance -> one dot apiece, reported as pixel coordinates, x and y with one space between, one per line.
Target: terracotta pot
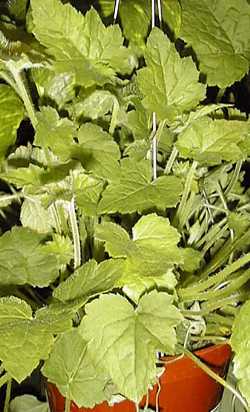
184 386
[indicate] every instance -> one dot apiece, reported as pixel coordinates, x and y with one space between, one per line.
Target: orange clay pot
184 386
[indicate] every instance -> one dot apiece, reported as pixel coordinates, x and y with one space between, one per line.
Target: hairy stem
215 280
67 405
178 219
75 234
4 379
7 396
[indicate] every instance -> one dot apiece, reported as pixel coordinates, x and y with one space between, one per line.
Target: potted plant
126 216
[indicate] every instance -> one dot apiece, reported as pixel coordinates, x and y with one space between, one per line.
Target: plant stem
216 377
7 396
113 121
23 93
178 219
171 161
4 379
75 234
67 405
214 280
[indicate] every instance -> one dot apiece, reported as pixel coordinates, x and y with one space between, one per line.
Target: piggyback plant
130 216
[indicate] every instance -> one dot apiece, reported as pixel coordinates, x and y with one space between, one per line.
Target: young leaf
23 344
54 133
25 259
34 216
169 83
97 151
96 105
132 190
78 44
219 33
212 141
58 87
240 345
90 279
149 256
11 114
87 190
135 16
71 368
117 338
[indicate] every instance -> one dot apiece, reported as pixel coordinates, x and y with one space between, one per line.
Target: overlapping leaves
117 338
132 190
25 340
80 44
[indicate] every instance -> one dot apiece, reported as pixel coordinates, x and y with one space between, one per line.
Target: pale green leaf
149 255
97 151
90 279
139 121
125 340
58 87
61 247
169 83
71 368
136 286
25 259
171 13
240 345
87 191
28 403
78 44
212 141
23 342
11 114
133 190
191 259
219 33
35 216
97 104
54 133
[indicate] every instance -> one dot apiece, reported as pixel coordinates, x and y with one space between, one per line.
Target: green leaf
149 255
54 133
18 8
34 216
87 190
90 279
28 403
171 13
58 87
11 114
191 259
117 338
136 286
23 342
23 176
219 33
61 247
96 105
133 190
139 122
169 83
240 345
97 151
212 141
71 368
135 17
25 259
78 44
